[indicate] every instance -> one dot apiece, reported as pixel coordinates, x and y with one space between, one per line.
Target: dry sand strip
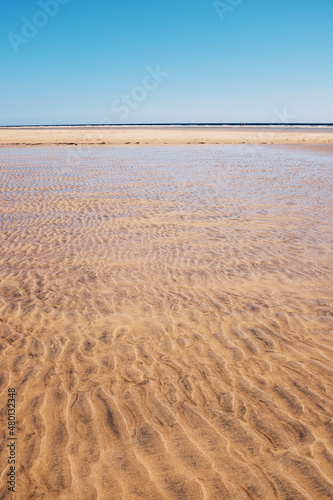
162 135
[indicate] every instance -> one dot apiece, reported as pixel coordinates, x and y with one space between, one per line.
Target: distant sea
273 125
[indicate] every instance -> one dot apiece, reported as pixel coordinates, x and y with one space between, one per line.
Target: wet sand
162 135
166 320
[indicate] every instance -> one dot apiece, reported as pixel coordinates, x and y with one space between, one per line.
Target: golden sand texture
161 135
166 321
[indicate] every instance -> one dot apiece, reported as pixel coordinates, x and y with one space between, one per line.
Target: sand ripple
166 320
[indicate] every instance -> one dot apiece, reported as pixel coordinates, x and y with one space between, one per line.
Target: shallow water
166 318
259 173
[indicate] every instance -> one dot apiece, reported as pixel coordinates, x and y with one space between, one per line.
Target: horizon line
169 124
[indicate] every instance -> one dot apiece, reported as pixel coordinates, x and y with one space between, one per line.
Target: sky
171 61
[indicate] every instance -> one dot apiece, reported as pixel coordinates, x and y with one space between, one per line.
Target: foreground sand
163 135
166 320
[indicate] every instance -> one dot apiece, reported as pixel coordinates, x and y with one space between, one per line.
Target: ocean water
222 124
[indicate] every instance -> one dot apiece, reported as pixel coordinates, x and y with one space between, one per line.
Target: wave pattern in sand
166 320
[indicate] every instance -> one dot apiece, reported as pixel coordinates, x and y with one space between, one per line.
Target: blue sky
93 62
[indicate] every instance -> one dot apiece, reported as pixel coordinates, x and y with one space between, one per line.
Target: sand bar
161 135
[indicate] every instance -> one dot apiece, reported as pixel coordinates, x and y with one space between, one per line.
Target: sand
161 135
166 320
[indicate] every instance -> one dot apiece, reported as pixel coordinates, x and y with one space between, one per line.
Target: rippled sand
166 320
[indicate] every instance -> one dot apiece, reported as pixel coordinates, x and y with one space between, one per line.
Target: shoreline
160 136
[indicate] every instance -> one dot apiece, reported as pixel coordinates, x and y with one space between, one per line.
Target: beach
163 135
166 312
